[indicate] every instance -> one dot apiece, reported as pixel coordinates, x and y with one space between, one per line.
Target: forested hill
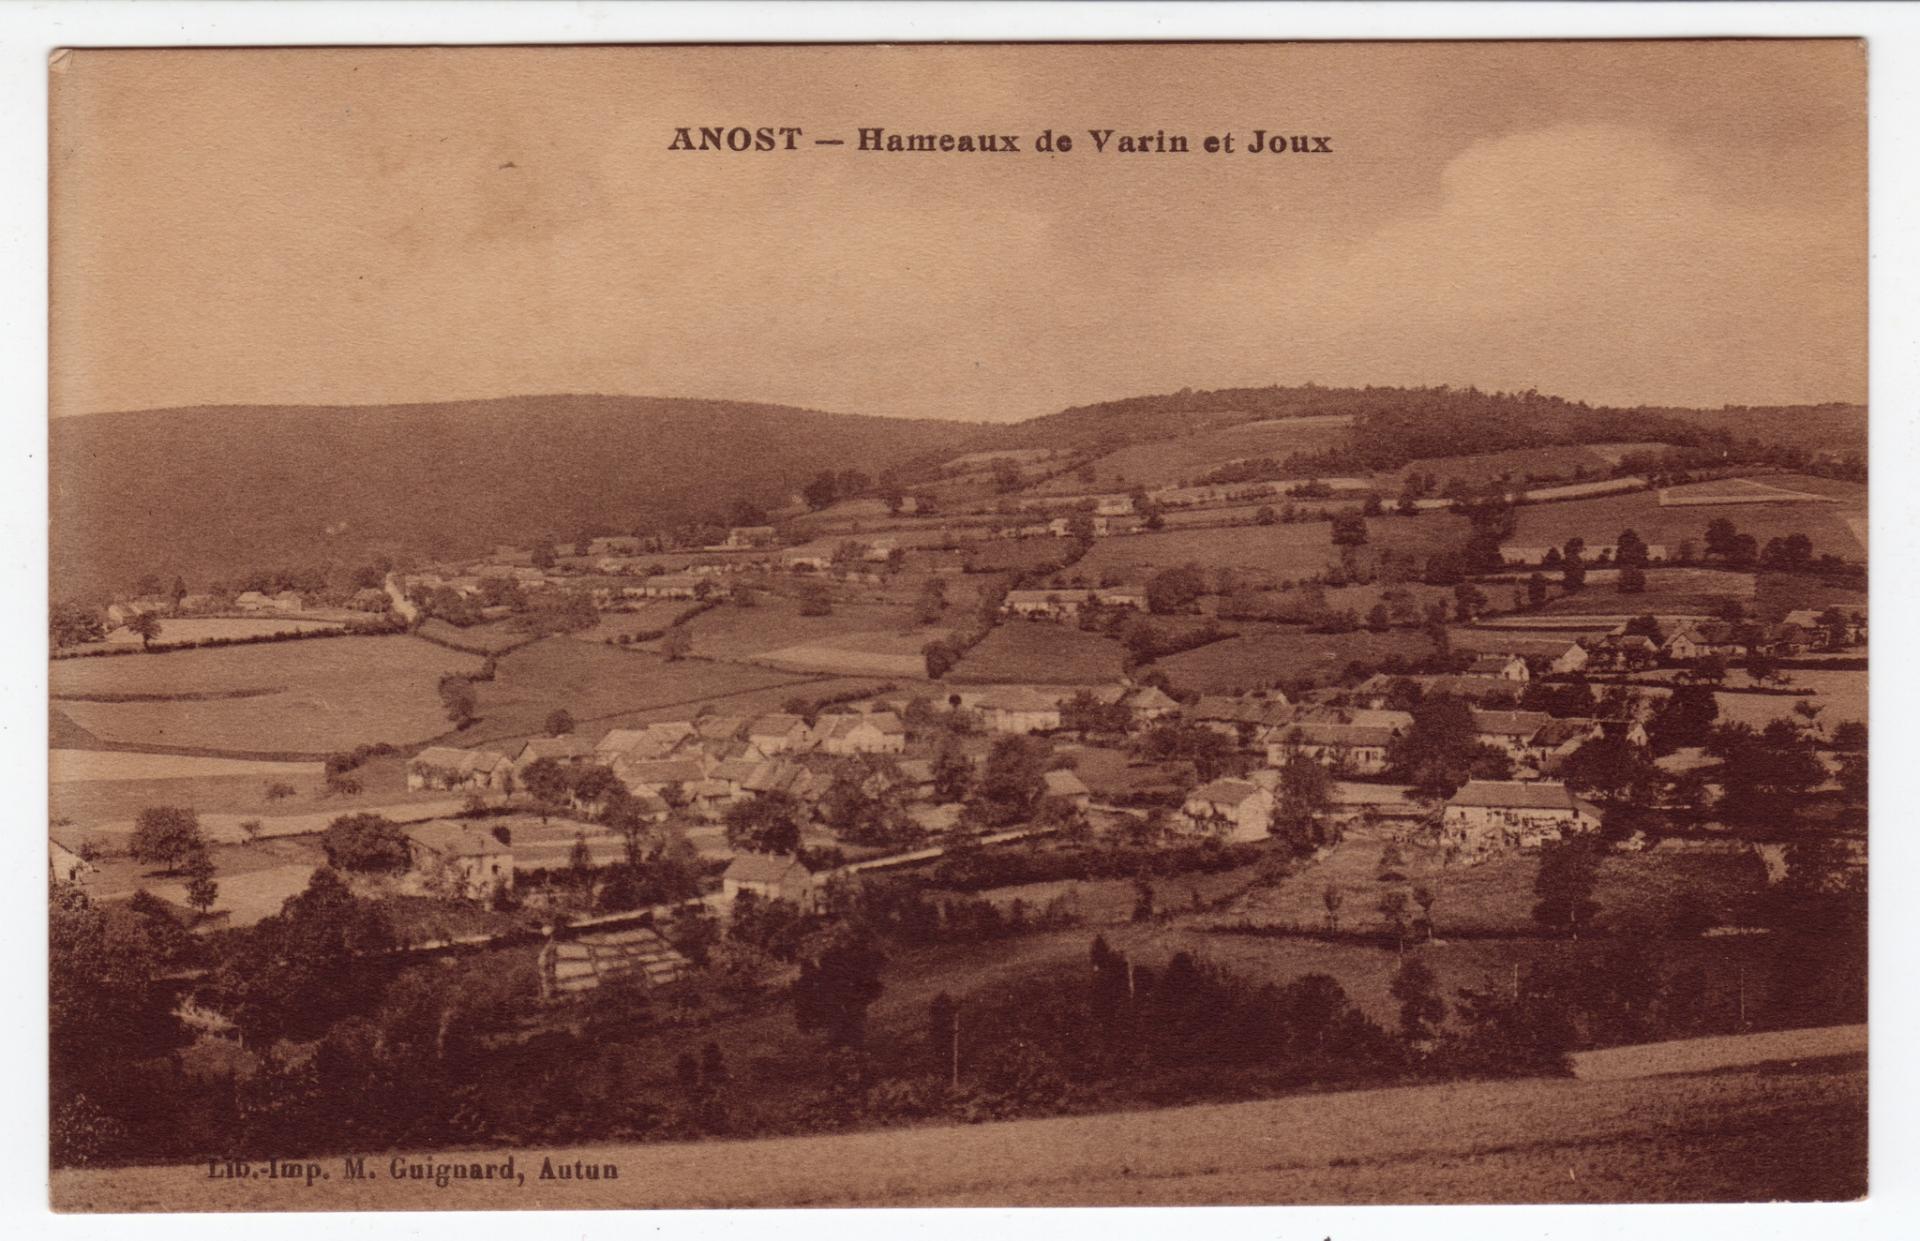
1395 425
204 492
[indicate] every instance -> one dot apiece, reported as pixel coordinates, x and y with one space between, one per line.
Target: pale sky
1622 223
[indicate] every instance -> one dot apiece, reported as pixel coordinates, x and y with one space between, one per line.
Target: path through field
1777 1131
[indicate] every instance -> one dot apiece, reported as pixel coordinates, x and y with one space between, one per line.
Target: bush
365 843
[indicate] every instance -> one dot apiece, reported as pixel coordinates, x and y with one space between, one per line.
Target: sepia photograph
957 625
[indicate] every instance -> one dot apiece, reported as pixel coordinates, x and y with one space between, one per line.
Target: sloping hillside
1776 1132
213 490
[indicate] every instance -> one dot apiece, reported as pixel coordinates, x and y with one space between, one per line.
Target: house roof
1334 734
1063 783
1556 733
765 868
774 725
1150 699
455 839
569 746
659 771
1510 723
450 758
1517 795
1490 665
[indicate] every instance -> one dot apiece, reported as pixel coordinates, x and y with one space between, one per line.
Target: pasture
1043 653
1694 592
595 683
1519 465
180 629
287 698
1264 656
1600 521
775 625
1285 552
486 639
1182 459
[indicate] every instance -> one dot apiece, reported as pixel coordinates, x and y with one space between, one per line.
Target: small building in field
1045 604
1510 731
572 964
1488 816
769 876
460 859
448 767
1572 659
1068 787
1234 810
66 866
1506 667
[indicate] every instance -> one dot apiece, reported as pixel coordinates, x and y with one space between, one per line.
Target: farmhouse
637 956
1556 740
1234 810
1571 660
749 536
568 749
1045 604
1506 667
66 866
1623 652
465 861
1018 709
1353 749
777 734
1149 704
1240 718
447 767
655 776
1490 815
669 586
1509 730
773 877
880 732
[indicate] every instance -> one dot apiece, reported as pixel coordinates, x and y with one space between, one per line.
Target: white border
29 33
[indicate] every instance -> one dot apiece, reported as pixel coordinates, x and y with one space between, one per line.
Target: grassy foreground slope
1796 1132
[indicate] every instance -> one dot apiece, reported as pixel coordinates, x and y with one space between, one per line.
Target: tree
548 782
147 626
1393 907
559 722
166 836
300 970
1563 885
1302 797
202 891
1722 539
822 491
544 556
1685 717
1632 580
1424 896
1265 516
1441 749
764 823
1349 529
940 657
952 772
458 698
1012 779
365 843
1536 590
1421 1008
73 623
836 986
816 599
1763 773
1175 589
1630 550
677 643
1331 896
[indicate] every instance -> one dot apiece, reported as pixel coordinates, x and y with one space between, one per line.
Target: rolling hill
210 491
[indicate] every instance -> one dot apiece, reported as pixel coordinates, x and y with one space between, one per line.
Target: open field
74 766
1684 591
1737 491
1600 521
775 631
1184 458
1283 552
1261 656
595 682
1636 891
1041 652
228 628
1791 1132
489 638
1517 465
307 697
